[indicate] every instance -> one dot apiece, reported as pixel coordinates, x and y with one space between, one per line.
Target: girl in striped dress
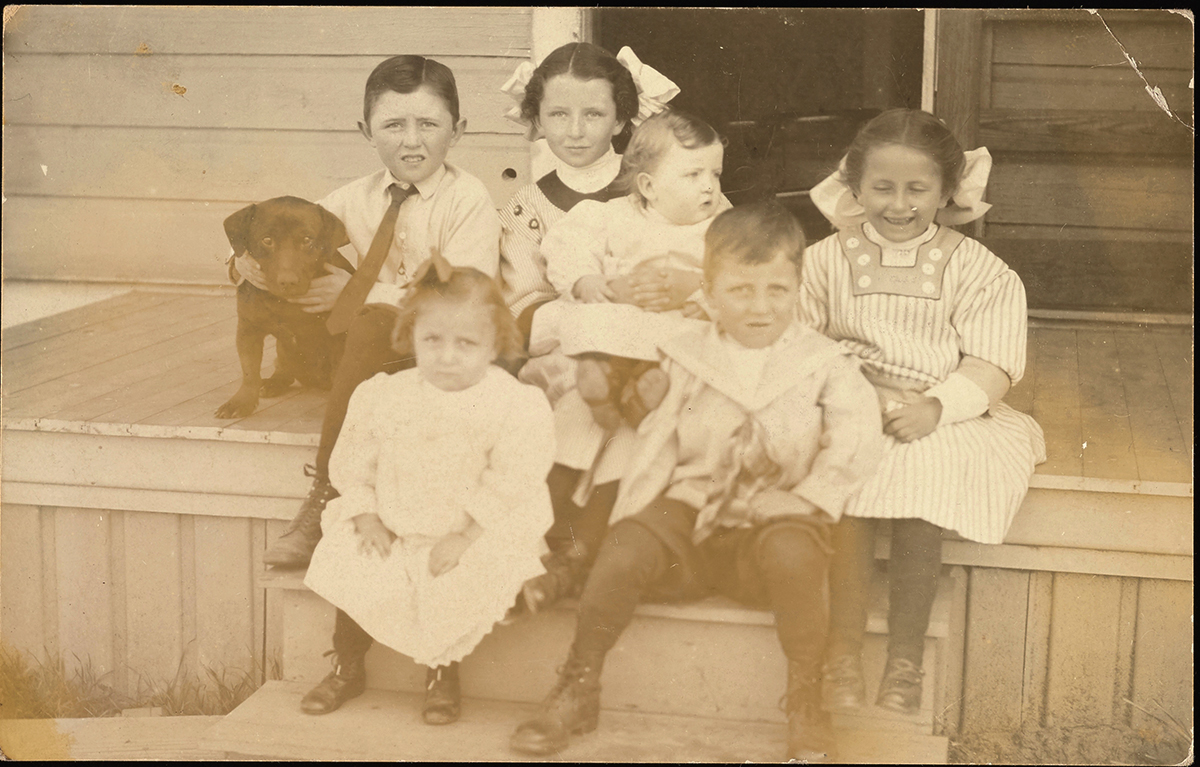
581 103
940 323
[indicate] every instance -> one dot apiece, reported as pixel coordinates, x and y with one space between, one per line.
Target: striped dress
969 477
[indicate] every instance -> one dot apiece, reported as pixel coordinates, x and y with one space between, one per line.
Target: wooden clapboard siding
1084 157
138 130
21 598
1064 649
237 165
1134 196
82 575
139 596
1155 41
1164 641
259 92
313 31
995 649
1083 649
153 593
1060 130
1017 87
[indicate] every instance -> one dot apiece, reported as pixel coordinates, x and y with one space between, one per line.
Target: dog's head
290 238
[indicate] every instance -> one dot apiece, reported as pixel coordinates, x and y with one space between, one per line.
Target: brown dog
292 240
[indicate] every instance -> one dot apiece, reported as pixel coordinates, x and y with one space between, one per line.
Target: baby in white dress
599 253
442 475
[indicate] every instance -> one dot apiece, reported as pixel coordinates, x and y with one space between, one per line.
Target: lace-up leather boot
571 708
900 689
347 680
295 547
443 700
810 729
843 685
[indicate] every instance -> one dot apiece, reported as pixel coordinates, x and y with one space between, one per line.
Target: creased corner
1155 92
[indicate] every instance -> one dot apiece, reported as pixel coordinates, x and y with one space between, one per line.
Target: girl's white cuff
961 398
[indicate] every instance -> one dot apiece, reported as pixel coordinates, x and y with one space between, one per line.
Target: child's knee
631 548
793 546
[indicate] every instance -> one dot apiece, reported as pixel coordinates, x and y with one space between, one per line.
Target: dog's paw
237 407
274 387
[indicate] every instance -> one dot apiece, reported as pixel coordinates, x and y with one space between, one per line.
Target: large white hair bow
834 198
653 87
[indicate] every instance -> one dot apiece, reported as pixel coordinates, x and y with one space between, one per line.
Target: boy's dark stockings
791 564
913 569
368 351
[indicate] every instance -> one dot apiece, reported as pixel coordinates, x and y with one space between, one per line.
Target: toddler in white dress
442 474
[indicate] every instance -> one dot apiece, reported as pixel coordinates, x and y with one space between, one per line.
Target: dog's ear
333 229
237 229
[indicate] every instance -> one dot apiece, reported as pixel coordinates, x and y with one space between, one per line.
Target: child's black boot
347 680
900 689
571 708
443 699
295 547
810 729
843 686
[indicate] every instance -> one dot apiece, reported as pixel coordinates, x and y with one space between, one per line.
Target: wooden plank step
711 610
685 648
386 726
159 738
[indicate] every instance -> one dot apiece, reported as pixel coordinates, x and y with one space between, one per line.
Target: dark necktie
355 293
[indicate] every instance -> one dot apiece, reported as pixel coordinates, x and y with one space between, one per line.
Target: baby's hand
446 553
911 422
774 503
247 266
593 289
373 536
324 291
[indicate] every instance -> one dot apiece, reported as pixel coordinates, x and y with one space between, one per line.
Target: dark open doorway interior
788 88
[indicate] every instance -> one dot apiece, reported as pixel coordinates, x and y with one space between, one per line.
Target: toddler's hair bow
654 89
434 270
834 198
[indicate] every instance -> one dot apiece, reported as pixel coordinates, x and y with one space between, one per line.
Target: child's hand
681 284
446 553
593 289
649 289
324 291
247 266
373 536
911 422
774 503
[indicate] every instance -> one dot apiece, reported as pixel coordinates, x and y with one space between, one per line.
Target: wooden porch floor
1115 401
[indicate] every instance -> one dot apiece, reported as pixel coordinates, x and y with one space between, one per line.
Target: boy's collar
705 355
784 338
426 187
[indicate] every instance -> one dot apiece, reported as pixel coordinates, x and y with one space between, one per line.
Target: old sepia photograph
597 384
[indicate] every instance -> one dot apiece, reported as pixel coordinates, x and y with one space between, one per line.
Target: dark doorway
788 88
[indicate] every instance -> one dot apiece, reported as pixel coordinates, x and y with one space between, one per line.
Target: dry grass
1076 745
31 689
